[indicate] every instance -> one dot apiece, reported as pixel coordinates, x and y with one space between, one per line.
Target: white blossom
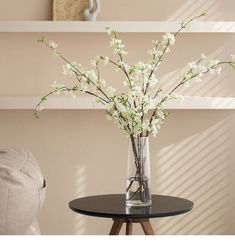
106 60
155 126
233 58
168 39
192 65
95 61
203 56
41 106
70 69
213 63
218 70
110 31
70 93
153 82
125 82
177 97
130 108
52 45
82 87
57 87
155 42
202 68
102 83
110 91
117 46
91 74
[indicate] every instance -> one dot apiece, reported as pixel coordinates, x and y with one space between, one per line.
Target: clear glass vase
138 193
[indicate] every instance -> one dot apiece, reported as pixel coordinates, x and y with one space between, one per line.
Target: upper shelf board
120 26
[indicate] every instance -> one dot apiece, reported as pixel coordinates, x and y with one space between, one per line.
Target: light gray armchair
22 192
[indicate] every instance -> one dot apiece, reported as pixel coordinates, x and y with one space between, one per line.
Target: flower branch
130 108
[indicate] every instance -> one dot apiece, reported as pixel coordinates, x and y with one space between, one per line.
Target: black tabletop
113 206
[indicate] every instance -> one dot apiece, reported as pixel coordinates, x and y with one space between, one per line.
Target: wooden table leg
129 227
116 227
147 227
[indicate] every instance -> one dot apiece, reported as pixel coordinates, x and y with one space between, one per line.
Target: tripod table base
117 226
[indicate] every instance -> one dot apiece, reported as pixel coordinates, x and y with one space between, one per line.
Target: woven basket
69 10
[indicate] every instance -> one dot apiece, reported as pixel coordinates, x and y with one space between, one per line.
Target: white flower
212 67
177 97
203 56
152 52
218 70
117 46
167 49
110 91
102 83
233 58
95 61
110 106
57 87
155 126
168 39
186 84
213 63
153 82
91 75
129 108
70 93
82 87
124 52
202 69
145 125
106 60
40 107
54 85
70 69
110 31
192 65
52 44
125 83
117 69
188 75
159 53
155 42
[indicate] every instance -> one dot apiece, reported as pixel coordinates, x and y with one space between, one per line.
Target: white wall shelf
83 102
121 26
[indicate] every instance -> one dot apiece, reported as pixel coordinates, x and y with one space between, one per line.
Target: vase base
138 203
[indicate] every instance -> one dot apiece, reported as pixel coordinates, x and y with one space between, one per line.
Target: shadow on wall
192 157
190 8
198 167
211 85
196 163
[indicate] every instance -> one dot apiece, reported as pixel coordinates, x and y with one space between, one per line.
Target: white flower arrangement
130 110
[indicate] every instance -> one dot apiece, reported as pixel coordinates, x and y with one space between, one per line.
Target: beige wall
126 9
81 153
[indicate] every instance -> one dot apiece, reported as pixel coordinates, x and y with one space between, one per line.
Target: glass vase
138 193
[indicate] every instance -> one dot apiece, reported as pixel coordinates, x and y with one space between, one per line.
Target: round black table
113 206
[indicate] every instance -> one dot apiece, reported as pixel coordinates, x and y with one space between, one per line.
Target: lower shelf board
84 102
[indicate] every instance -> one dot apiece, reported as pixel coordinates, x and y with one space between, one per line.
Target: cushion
22 192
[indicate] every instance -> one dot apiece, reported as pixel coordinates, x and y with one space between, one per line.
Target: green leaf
131 71
232 65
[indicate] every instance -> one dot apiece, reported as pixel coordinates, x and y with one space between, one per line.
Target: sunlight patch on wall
211 85
80 187
197 168
192 8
